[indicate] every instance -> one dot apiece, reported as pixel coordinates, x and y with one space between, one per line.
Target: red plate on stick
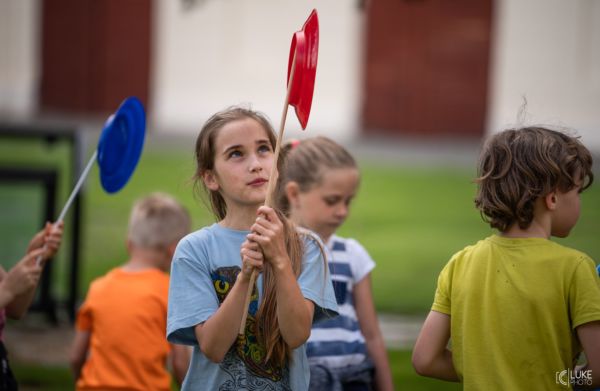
304 52
302 69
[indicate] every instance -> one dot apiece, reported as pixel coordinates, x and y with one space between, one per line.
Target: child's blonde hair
157 221
305 162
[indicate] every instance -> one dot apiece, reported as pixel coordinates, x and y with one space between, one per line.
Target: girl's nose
254 163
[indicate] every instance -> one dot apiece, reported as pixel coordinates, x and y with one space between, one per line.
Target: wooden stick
270 189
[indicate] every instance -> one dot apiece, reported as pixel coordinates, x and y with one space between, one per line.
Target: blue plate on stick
118 152
120 144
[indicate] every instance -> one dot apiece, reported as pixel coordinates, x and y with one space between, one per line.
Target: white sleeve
314 280
360 260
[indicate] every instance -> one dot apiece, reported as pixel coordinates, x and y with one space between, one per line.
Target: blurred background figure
123 321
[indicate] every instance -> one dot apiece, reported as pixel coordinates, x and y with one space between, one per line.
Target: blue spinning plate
120 144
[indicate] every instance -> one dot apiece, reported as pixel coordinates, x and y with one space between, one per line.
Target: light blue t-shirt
204 269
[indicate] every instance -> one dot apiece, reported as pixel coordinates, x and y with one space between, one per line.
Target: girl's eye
234 153
264 148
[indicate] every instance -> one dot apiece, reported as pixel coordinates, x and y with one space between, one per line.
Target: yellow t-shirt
514 306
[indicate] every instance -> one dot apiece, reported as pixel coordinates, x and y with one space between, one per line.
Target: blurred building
410 68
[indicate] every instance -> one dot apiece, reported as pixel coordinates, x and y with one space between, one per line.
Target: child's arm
431 356
45 244
79 351
294 311
589 336
19 282
369 326
218 333
6 295
180 361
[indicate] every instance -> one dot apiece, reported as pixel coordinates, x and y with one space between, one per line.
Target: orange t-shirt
126 315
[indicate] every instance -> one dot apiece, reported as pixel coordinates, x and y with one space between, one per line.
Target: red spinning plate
305 49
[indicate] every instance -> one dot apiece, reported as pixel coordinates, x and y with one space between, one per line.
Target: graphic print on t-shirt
245 360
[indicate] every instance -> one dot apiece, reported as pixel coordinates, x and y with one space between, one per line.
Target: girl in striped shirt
346 352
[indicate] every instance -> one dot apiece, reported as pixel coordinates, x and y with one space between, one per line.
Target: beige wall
221 53
228 52
19 56
549 52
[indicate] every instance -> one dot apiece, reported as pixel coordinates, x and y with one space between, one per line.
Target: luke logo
574 378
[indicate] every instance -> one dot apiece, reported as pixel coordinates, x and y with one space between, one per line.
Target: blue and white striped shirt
338 342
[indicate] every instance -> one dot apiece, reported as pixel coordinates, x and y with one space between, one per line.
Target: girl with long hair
211 269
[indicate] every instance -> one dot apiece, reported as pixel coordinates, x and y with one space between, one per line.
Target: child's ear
171 249
550 200
210 180
292 191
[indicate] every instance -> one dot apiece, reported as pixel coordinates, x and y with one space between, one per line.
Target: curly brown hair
517 166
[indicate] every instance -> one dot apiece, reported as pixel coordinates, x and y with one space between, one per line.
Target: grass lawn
36 377
411 219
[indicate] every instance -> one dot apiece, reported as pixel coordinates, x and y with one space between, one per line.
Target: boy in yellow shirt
120 341
517 307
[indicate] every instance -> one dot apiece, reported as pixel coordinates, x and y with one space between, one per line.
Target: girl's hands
267 231
252 257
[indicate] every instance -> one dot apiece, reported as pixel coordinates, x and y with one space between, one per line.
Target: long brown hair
517 166
277 352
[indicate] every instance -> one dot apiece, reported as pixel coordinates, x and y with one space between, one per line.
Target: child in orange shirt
120 340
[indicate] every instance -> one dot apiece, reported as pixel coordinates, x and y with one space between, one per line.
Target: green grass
411 220
405 377
39 377
407 219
